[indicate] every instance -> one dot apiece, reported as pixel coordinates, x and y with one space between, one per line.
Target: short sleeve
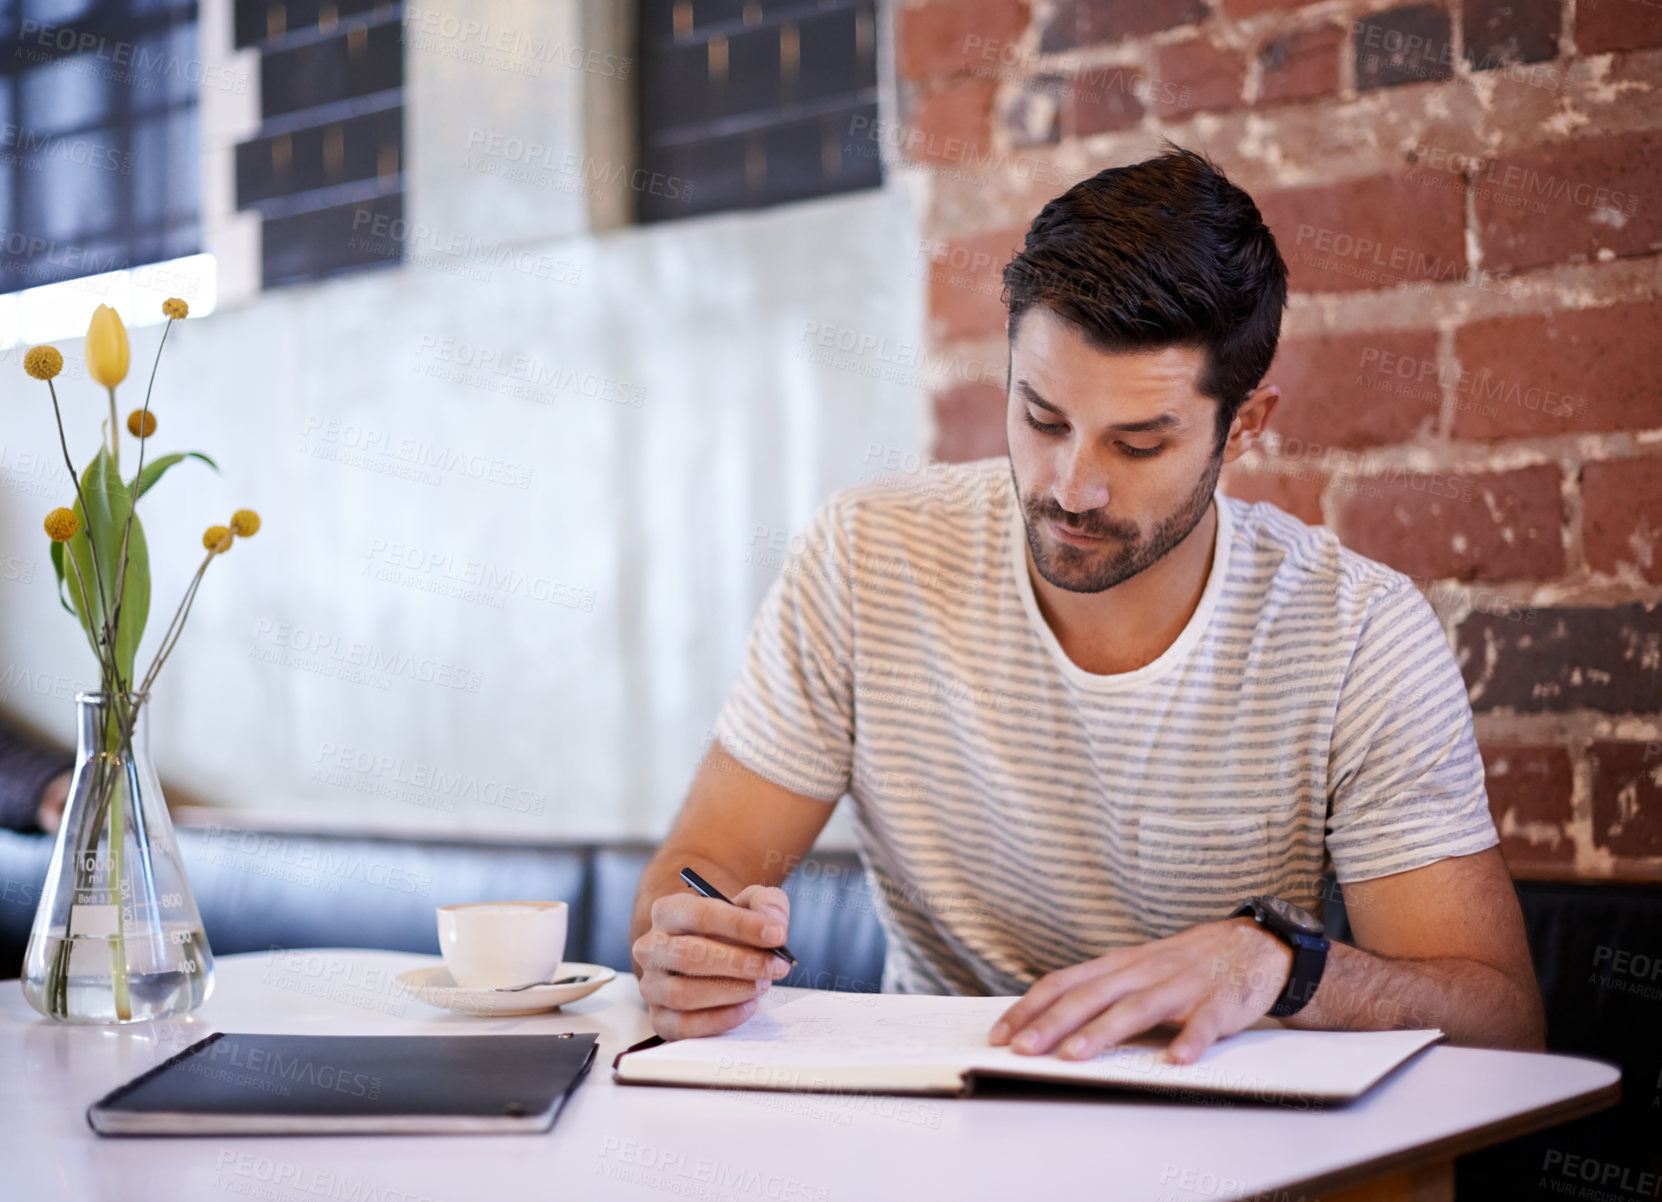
1405 779
790 714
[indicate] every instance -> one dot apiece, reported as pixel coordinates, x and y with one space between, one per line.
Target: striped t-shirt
1017 814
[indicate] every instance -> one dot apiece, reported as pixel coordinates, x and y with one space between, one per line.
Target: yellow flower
43 362
217 539
141 423
245 522
175 308
61 524
106 347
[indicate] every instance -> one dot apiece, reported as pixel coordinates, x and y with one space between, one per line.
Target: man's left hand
1214 979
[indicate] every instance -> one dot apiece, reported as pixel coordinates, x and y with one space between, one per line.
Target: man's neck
1130 625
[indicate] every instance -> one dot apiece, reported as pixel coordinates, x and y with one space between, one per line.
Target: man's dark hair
1165 252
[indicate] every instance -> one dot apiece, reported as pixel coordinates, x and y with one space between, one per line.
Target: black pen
708 890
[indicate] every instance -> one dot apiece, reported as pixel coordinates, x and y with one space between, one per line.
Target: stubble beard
1127 552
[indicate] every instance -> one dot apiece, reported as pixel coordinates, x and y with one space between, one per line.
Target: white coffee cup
496 945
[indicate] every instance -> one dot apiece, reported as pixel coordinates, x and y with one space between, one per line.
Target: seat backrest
257 890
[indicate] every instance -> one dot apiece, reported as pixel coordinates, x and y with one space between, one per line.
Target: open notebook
907 1043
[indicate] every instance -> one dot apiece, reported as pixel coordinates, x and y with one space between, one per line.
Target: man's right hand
704 963
52 798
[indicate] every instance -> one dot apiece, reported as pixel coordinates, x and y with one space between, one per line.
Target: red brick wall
1469 198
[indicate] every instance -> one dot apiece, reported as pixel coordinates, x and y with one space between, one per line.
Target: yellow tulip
107 347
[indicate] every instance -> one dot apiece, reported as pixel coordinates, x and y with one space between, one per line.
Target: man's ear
1251 420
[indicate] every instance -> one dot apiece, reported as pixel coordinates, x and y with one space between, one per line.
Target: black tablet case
244 1084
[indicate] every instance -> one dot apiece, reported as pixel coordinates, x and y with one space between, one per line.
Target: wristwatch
1303 932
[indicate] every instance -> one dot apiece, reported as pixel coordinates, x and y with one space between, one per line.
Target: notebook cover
249 1084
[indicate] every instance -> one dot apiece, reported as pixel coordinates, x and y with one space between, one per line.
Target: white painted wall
318 401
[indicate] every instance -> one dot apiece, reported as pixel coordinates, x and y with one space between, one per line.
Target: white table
649 1143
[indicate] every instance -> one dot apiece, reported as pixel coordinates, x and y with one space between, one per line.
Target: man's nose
1081 484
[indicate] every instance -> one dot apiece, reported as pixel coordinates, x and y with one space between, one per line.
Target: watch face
1298 919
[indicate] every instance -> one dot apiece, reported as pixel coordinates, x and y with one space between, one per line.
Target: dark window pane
308 246
33 261
706 13
753 82
252 19
99 104
268 20
166 69
56 12
338 68
674 88
68 94
656 19
832 56
331 142
714 168
165 177
752 100
354 148
74 199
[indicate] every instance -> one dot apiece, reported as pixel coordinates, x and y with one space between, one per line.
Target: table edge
1473 1139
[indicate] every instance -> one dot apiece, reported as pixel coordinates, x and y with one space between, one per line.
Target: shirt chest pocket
1197 869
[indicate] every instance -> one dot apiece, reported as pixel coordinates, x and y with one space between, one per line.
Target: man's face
1113 455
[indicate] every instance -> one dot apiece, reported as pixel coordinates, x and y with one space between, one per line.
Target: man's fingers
1204 1028
1076 1007
695 1024
774 905
766 899
676 992
695 955
689 914
1131 1015
1044 992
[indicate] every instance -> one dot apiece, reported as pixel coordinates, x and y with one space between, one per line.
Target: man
1104 728
34 783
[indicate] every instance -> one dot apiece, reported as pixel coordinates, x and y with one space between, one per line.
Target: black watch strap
1308 965
1309 958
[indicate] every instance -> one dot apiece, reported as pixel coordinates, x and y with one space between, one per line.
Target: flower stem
133 496
176 627
118 750
86 516
115 435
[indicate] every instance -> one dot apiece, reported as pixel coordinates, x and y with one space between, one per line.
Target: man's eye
1139 452
1043 427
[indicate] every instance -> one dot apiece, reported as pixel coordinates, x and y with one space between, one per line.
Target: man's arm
703 963
1438 946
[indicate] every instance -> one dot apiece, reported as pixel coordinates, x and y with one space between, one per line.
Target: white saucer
434 986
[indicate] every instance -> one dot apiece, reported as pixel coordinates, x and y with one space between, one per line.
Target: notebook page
1287 1067
841 1038
865 1041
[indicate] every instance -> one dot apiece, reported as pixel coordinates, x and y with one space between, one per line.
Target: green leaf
110 502
154 469
57 566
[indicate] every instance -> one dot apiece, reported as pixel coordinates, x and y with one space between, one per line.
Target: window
98 146
754 102
326 170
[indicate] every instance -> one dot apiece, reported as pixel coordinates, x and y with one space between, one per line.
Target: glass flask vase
117 937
